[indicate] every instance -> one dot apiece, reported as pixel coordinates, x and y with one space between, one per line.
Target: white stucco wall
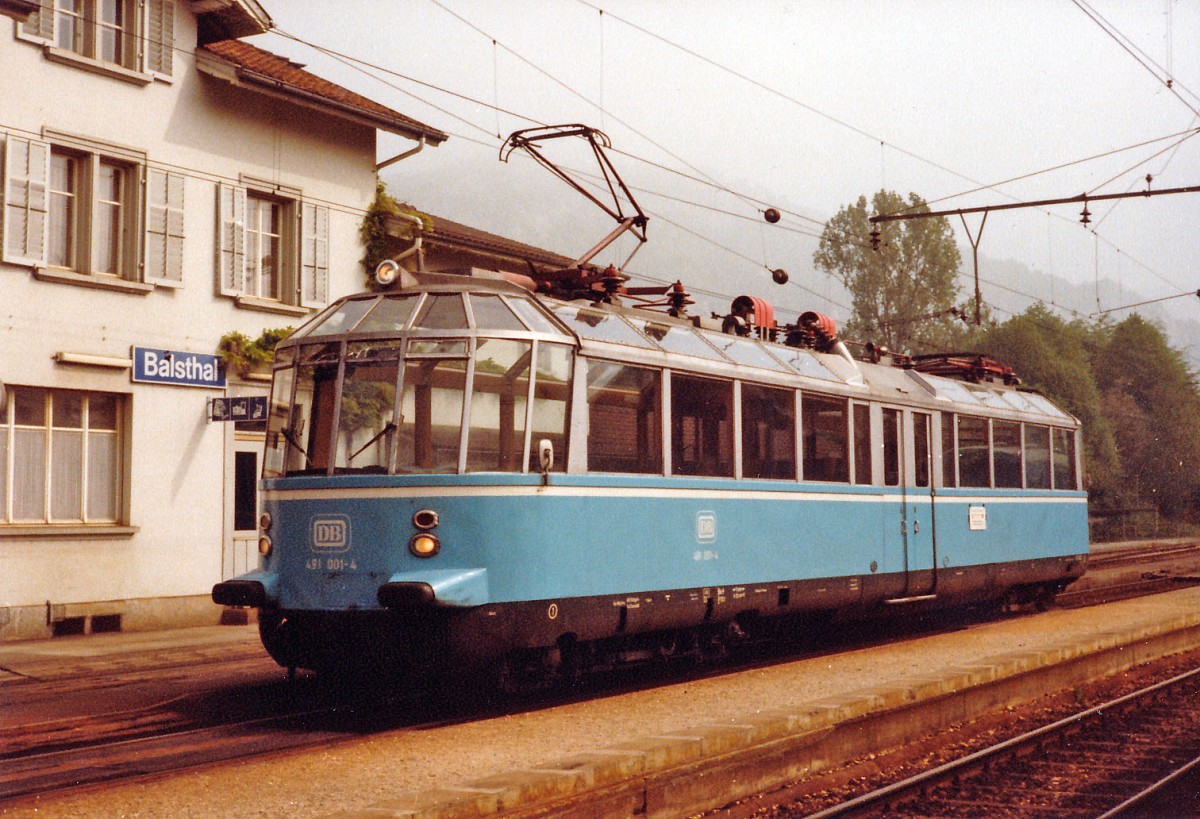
177 460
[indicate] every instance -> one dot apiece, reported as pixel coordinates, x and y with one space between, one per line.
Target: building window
272 248
95 29
62 456
90 208
264 245
130 35
72 211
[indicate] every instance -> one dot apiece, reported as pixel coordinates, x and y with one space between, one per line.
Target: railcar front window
768 432
1064 459
366 416
493 314
1037 457
552 388
826 439
444 312
499 398
310 427
431 406
624 418
390 316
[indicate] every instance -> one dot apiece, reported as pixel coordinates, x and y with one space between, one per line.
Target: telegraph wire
585 99
1129 47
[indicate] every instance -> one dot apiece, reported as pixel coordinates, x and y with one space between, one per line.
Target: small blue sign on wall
153 366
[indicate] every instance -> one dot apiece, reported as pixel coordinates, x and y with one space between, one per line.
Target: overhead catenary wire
718 186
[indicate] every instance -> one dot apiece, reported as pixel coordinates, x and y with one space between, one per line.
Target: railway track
1118 759
217 722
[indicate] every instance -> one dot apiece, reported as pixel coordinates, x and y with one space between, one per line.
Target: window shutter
231 240
160 37
164 228
40 24
314 255
26 205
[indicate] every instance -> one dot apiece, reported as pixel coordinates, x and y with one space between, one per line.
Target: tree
904 290
1156 404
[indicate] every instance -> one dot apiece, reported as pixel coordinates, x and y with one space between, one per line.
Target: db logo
329 534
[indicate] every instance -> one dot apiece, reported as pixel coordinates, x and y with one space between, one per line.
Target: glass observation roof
982 395
394 313
681 339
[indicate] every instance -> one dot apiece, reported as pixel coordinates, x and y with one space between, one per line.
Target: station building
164 183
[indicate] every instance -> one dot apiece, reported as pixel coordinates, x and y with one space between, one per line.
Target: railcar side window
826 432
862 443
1006 454
299 433
948 460
552 382
1064 459
768 432
1037 457
891 447
278 416
624 418
921 455
973 462
701 426
431 405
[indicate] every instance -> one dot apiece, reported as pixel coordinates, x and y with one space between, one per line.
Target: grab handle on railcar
546 458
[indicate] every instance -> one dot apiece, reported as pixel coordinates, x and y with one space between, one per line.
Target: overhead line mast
1085 218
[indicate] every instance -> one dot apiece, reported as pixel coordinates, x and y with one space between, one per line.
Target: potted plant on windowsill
250 359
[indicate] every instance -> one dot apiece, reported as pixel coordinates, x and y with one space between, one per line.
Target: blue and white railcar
460 471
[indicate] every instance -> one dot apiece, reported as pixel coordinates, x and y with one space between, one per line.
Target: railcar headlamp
424 544
425 519
264 522
265 546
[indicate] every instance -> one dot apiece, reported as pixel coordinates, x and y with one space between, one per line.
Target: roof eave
19 10
238 75
230 19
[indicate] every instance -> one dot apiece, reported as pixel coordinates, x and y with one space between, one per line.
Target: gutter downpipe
416 220
410 152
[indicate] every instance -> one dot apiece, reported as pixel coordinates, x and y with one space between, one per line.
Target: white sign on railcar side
977 517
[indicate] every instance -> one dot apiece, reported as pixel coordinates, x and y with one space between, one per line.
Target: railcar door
922 537
907 468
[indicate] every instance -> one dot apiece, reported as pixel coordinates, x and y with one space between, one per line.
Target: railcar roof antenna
529 139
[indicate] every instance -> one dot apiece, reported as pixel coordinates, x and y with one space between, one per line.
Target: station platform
670 750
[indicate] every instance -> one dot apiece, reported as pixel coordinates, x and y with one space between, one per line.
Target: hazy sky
805 105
